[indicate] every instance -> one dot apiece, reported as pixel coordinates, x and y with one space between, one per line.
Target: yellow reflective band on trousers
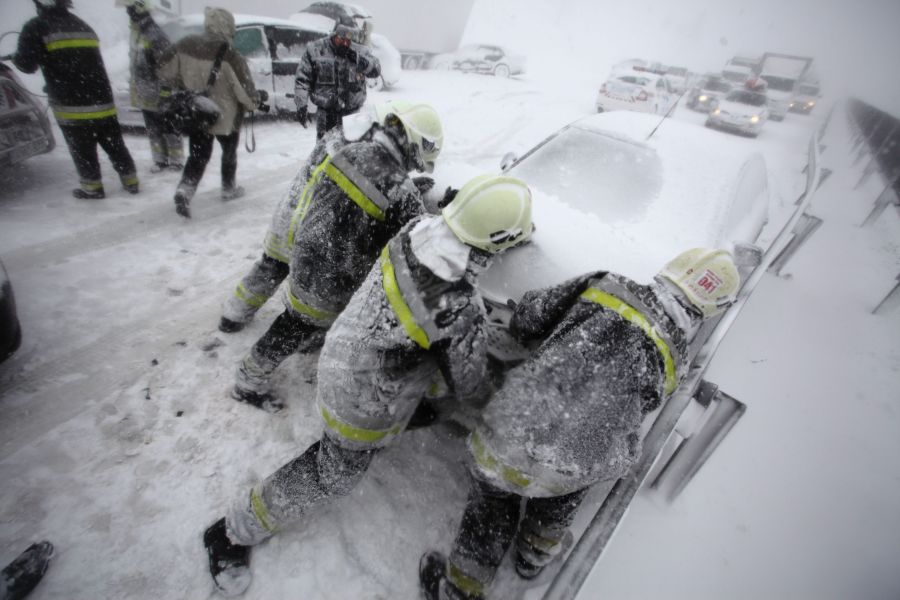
631 314
395 298
248 297
84 116
260 511
467 584
73 43
356 434
306 309
489 462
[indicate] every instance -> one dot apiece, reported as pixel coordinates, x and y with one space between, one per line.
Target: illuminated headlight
717 111
792 105
703 98
811 103
754 119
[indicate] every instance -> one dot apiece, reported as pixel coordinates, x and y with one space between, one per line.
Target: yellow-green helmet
707 277
424 132
383 109
491 212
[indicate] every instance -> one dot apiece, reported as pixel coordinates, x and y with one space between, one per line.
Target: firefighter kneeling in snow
68 52
418 311
570 415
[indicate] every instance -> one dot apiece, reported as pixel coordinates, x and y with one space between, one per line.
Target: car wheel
501 71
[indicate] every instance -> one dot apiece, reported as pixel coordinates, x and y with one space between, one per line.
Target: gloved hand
423 183
262 95
263 107
303 117
449 195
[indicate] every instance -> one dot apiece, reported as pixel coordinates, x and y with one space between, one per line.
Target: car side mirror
507 161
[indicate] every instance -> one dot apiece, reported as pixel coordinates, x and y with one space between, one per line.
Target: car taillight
642 96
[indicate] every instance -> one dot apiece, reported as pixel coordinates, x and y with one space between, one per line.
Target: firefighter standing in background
611 351
417 312
332 75
146 45
68 53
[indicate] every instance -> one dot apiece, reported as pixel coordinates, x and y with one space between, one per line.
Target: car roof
243 20
695 167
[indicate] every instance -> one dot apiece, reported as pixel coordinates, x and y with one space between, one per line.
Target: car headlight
754 119
717 111
703 98
811 103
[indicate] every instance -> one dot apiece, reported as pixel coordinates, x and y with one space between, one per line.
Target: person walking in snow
611 350
146 45
418 312
355 200
271 269
187 65
68 53
332 75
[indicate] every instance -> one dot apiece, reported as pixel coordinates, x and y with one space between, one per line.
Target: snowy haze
119 442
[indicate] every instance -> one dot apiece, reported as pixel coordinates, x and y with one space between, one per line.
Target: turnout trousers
83 139
165 144
255 289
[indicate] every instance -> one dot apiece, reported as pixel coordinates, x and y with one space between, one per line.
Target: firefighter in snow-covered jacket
610 351
417 312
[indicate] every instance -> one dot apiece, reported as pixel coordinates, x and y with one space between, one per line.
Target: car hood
736 108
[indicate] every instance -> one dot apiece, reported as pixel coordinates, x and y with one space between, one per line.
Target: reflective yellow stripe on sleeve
356 434
395 298
74 43
630 314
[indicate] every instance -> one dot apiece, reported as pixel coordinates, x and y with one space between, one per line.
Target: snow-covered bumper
607 103
749 124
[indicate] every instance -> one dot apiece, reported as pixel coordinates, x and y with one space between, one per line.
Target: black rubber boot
86 195
526 569
24 573
226 325
229 564
432 569
261 400
182 205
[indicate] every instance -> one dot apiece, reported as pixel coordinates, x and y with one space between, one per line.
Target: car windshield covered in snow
781 84
746 97
633 79
577 163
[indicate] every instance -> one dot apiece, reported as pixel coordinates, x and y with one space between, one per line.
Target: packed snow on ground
120 443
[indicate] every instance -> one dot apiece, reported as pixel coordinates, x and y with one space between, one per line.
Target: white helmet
383 109
423 132
491 212
708 278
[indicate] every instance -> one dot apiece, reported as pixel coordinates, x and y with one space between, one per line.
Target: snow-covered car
744 111
327 14
707 92
638 91
487 59
607 198
678 79
273 49
780 93
24 127
805 97
10 330
737 74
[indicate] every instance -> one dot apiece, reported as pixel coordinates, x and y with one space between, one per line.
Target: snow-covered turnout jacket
146 46
403 325
331 81
276 242
188 63
354 201
570 415
68 52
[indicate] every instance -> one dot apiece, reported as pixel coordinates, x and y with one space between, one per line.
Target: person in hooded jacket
332 75
270 270
187 65
147 43
355 200
610 351
67 51
417 313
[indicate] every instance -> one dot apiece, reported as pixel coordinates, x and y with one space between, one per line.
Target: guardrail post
721 415
887 197
803 229
824 173
890 302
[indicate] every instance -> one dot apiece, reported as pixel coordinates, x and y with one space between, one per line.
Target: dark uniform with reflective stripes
566 418
68 52
354 201
403 325
333 80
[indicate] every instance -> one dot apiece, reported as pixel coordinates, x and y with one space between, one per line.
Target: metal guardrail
595 538
876 134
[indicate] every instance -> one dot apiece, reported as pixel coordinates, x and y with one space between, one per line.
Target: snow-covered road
120 443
